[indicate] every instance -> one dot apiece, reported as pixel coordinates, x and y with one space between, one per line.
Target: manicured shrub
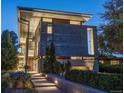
111 68
106 82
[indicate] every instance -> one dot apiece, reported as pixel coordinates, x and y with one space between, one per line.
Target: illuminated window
49 29
114 62
74 58
90 41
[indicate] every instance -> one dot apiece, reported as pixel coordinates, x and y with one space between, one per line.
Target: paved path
42 85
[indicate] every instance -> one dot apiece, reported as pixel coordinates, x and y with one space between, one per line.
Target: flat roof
53 11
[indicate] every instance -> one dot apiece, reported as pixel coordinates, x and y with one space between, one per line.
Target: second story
57 22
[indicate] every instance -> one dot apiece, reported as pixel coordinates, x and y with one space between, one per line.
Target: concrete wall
71 87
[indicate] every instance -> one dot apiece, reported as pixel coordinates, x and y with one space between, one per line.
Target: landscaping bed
108 68
108 82
13 82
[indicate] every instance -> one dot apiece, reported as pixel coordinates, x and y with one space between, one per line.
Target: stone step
52 89
43 84
36 75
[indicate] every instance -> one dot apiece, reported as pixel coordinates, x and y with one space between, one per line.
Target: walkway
42 85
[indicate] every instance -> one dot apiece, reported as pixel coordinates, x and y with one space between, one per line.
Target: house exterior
73 41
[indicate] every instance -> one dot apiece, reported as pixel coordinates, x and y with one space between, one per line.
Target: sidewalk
42 85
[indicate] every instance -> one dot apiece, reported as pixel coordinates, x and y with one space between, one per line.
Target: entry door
30 64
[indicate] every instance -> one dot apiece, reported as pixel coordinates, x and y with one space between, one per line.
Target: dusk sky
9 9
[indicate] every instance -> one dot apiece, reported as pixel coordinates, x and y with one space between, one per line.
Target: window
90 41
49 29
114 62
76 57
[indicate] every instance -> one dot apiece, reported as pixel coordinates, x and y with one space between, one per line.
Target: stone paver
42 85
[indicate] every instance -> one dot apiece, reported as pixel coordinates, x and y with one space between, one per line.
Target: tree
9 50
51 65
111 38
67 66
50 59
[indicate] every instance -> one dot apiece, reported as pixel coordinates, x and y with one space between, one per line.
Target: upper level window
90 41
49 29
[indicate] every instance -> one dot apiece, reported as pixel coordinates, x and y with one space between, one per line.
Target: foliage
111 38
4 85
9 48
51 65
16 80
111 68
67 66
18 75
106 82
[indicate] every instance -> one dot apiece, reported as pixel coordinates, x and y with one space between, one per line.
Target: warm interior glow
76 57
49 29
114 62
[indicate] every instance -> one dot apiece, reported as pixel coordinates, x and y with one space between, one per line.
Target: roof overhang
34 16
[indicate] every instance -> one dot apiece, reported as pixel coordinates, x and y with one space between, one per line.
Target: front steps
42 85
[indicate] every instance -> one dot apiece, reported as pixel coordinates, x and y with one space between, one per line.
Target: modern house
73 41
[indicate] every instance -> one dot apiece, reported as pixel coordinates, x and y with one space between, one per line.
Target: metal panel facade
69 40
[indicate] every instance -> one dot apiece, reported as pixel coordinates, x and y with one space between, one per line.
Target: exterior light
46 76
56 81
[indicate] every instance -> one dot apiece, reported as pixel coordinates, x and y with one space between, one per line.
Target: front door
30 64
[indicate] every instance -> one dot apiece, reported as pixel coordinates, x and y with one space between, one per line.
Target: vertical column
89 61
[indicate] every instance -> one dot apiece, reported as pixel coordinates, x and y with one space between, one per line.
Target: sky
9 10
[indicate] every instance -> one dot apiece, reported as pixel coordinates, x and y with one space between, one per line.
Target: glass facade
69 40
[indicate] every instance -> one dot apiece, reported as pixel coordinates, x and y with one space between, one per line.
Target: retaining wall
71 87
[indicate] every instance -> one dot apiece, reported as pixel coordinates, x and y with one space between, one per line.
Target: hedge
111 68
108 82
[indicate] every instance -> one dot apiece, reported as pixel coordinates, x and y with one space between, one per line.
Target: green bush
106 82
15 80
111 68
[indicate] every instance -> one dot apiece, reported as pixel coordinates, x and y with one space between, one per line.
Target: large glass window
90 41
49 29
